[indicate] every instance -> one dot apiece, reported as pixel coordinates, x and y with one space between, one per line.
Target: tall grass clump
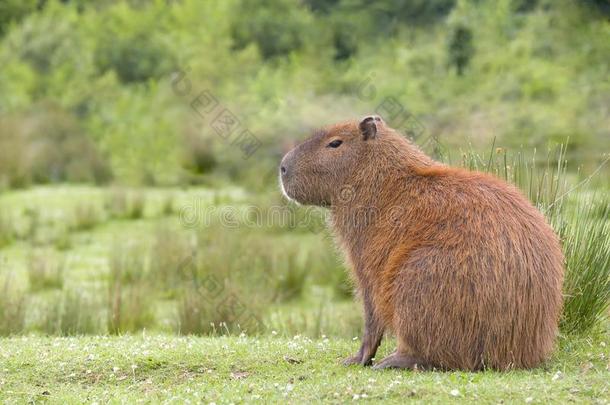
125 204
45 270
137 204
34 222
319 316
12 308
579 216
169 251
329 269
226 284
543 180
6 229
585 232
61 240
116 203
71 313
167 205
129 305
228 313
86 217
292 273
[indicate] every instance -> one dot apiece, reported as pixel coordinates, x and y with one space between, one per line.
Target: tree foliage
530 73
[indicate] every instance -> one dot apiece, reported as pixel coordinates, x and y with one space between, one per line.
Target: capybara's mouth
286 190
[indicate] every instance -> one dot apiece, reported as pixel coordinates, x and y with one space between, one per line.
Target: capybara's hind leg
401 360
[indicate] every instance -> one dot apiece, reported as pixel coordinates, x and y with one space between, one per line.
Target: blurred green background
92 91
126 125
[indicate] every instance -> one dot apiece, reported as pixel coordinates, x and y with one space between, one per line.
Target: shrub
277 27
48 145
388 15
130 45
15 170
14 10
460 48
62 151
46 40
198 153
134 59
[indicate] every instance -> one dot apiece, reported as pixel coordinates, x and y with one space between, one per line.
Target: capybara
459 265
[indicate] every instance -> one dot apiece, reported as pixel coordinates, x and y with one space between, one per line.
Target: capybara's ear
368 126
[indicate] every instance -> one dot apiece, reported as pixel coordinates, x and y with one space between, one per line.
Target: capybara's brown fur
457 264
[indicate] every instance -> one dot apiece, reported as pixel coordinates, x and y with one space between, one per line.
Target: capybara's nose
285 166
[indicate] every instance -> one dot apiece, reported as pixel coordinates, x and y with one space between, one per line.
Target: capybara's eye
335 144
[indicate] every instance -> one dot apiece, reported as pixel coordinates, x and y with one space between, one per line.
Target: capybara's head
314 172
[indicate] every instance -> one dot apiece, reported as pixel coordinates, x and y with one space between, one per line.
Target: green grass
287 277
585 232
157 368
125 273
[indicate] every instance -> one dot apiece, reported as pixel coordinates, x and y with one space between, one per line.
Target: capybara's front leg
373 333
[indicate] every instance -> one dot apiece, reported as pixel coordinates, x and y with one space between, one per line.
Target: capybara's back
480 285
458 264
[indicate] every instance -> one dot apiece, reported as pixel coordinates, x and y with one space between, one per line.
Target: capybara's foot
358 359
350 361
398 360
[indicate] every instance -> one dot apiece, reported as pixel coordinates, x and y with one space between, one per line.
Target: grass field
68 247
96 307
162 368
